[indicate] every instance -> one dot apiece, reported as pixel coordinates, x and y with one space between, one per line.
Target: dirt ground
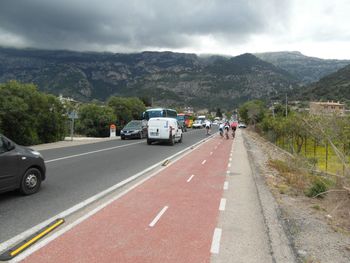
319 229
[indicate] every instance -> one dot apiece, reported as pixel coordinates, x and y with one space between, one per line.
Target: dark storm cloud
136 25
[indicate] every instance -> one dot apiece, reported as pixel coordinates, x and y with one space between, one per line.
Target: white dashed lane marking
156 219
222 204
215 244
226 185
189 179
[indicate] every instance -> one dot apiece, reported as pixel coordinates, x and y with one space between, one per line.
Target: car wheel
31 181
149 142
123 138
172 140
180 139
141 135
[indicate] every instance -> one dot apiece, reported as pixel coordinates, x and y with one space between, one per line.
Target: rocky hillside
305 69
335 87
169 78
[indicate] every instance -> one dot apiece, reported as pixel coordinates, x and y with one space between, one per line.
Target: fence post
345 159
326 156
305 145
315 148
315 152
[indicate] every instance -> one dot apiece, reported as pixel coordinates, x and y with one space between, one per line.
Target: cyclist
221 129
233 127
207 126
227 128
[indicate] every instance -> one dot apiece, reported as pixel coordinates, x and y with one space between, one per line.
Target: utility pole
286 105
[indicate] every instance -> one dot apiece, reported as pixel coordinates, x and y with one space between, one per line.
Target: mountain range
169 79
306 69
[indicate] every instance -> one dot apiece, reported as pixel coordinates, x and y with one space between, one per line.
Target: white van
164 129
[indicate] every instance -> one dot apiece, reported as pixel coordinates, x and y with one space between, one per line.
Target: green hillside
332 87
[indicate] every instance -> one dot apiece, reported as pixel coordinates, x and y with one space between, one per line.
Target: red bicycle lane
130 229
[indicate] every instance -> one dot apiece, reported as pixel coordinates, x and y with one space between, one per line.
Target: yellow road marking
24 246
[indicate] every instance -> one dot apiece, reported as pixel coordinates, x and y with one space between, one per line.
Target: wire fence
319 153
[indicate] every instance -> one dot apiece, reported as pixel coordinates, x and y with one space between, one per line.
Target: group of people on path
225 127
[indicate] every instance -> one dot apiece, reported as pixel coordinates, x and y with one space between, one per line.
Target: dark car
20 167
134 129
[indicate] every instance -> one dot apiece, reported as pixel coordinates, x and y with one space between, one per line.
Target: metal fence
319 153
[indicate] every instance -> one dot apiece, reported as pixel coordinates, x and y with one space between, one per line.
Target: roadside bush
94 120
126 108
28 116
318 186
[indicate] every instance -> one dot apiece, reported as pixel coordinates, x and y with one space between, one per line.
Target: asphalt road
77 173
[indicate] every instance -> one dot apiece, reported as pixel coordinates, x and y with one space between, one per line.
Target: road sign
73 115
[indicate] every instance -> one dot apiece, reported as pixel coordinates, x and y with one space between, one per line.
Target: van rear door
158 128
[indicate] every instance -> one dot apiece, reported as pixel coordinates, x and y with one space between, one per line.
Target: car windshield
133 124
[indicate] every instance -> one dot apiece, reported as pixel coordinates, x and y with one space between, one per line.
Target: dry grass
295 180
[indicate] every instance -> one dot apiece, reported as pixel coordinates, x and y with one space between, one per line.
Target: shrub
318 186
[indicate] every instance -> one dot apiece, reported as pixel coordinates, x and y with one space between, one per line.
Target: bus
159 112
185 118
201 117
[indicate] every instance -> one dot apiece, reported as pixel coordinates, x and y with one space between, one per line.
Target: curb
282 249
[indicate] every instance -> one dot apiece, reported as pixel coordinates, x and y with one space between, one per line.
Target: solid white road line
204 161
155 220
222 204
97 151
226 185
189 179
215 244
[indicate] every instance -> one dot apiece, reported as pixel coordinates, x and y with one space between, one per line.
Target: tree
94 120
252 111
218 113
126 109
29 116
280 110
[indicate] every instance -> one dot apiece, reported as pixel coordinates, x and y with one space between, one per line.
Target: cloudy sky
315 27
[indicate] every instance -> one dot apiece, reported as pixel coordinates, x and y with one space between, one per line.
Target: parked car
134 129
197 124
164 130
242 125
20 168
